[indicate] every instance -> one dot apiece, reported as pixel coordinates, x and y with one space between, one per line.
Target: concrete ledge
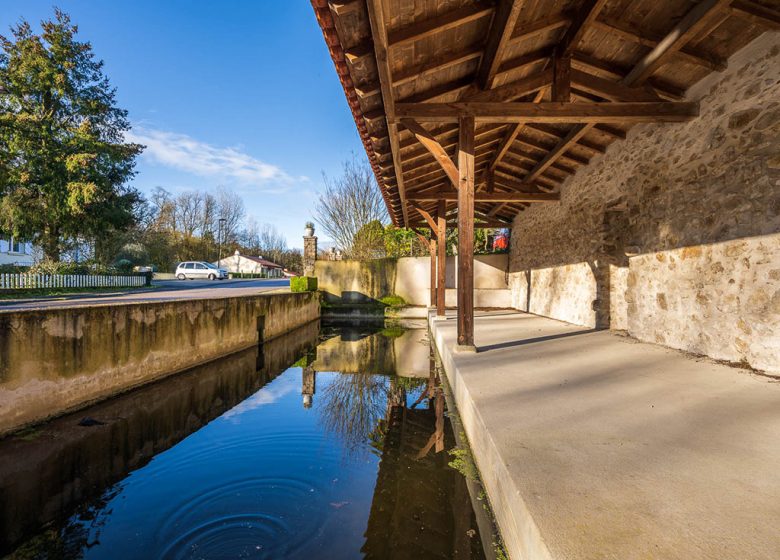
592 445
60 359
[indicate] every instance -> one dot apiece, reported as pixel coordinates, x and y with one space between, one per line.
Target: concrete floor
592 445
163 290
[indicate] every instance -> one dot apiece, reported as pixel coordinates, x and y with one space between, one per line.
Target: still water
328 442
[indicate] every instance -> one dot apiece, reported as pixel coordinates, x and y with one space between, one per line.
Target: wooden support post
441 246
466 234
432 252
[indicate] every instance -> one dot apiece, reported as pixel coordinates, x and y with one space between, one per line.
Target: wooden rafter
425 214
422 29
434 147
501 31
586 15
378 31
691 55
697 20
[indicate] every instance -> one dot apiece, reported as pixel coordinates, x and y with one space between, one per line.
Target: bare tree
230 207
272 243
349 202
189 213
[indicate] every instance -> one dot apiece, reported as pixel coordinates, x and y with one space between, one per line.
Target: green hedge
303 284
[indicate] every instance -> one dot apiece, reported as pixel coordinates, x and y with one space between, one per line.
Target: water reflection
226 462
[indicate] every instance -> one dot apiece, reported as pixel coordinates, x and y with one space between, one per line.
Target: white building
15 252
245 264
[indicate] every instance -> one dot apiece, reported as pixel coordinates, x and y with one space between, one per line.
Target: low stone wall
409 277
674 234
60 359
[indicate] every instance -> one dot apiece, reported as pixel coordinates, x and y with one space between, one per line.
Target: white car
192 270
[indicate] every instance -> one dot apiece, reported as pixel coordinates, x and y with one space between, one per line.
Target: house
245 264
14 251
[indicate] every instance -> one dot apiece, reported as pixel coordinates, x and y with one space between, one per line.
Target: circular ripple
248 535
252 516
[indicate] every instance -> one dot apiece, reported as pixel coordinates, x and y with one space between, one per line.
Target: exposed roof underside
637 56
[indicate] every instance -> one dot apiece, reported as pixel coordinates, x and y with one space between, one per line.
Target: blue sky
239 93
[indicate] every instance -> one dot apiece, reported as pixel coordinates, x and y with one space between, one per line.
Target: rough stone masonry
674 235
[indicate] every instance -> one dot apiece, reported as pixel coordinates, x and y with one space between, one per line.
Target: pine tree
64 165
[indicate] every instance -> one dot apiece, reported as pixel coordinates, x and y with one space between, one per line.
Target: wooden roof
551 84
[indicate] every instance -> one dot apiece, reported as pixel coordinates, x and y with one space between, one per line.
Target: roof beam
564 144
379 33
501 30
586 15
697 20
612 91
422 29
426 215
489 197
553 112
513 90
506 143
434 147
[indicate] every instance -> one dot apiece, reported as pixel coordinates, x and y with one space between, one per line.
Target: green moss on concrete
393 300
303 284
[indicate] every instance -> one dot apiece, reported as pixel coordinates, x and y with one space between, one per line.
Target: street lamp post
220 234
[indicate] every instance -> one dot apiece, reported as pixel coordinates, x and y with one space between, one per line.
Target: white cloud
199 158
267 395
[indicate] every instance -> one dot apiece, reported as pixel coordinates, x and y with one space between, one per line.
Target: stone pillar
309 251
308 386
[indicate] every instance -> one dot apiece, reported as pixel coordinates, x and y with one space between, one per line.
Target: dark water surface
324 443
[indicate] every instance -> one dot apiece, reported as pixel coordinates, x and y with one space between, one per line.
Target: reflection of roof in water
421 507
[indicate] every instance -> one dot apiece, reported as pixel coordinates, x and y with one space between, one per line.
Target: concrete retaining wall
409 277
674 234
56 360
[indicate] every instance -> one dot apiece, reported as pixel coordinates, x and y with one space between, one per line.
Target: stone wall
60 359
42 477
674 233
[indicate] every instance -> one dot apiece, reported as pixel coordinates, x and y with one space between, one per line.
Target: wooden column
432 252
466 233
441 246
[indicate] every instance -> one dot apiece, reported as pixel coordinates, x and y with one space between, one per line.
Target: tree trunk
51 243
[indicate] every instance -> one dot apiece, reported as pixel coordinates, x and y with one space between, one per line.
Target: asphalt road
163 290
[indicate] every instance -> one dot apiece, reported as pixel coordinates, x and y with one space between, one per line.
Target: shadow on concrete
524 341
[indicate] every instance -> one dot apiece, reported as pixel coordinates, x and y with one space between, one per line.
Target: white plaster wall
412 281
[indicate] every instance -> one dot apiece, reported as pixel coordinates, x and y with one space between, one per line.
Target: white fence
31 281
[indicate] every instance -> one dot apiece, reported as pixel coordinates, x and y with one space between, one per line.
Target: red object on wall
500 242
